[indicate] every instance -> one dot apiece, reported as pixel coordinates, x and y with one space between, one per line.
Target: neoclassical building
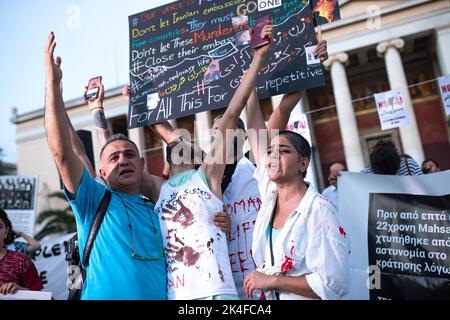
375 47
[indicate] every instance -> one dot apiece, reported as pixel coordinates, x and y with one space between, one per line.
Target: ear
142 162
303 164
102 172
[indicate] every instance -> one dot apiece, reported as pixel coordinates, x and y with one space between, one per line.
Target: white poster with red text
391 109
444 88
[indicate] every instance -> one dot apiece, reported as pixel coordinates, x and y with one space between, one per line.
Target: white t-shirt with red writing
243 202
195 248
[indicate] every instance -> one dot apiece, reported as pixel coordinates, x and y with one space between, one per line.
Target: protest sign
391 109
18 197
52 266
444 88
399 229
188 56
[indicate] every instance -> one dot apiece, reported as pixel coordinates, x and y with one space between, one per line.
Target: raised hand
97 103
321 50
267 32
126 89
183 215
52 66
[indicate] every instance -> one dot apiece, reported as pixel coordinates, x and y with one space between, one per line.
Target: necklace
145 200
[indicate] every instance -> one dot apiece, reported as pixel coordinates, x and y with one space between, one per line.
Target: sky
92 39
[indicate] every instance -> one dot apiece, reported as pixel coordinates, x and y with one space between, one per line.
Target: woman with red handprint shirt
196 250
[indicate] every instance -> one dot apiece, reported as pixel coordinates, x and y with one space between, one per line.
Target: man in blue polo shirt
127 260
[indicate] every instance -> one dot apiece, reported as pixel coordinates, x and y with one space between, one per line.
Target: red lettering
241 261
232 262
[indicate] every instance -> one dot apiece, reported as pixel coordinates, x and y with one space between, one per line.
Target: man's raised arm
56 121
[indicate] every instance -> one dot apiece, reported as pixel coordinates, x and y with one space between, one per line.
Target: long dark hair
10 235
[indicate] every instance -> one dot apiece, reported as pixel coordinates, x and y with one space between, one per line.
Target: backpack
77 268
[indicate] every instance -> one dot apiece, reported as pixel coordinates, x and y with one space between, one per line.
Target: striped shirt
408 167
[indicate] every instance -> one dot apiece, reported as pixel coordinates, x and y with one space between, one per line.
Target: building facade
375 47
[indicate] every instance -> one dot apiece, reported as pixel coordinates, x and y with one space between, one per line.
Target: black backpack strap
100 214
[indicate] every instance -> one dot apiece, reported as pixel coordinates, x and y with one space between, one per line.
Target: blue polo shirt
129 223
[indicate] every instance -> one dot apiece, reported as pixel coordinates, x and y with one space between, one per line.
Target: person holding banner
127 259
17 271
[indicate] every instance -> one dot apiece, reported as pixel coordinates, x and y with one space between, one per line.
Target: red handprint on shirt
185 254
183 215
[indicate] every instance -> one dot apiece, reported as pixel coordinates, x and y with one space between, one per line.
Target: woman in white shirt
300 248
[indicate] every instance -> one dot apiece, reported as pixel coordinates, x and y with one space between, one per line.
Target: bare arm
257 126
56 122
33 243
213 167
294 284
79 149
101 124
280 116
166 131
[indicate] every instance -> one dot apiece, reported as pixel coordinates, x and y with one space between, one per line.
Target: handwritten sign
391 109
444 87
189 56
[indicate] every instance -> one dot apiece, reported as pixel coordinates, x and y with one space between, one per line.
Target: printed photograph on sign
152 101
325 11
213 72
310 58
240 21
243 38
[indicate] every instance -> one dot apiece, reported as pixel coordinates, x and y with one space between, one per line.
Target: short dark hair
384 158
338 162
300 144
430 160
116 137
10 235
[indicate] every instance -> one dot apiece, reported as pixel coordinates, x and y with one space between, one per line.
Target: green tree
56 221
1 164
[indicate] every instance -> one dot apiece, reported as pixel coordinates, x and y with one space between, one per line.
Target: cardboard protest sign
18 197
188 56
399 229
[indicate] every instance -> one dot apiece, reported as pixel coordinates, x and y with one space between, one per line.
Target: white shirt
312 242
196 249
331 194
242 200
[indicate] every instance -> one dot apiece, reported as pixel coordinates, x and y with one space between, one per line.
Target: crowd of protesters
179 236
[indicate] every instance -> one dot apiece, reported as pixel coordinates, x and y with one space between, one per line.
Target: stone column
347 121
443 49
409 133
